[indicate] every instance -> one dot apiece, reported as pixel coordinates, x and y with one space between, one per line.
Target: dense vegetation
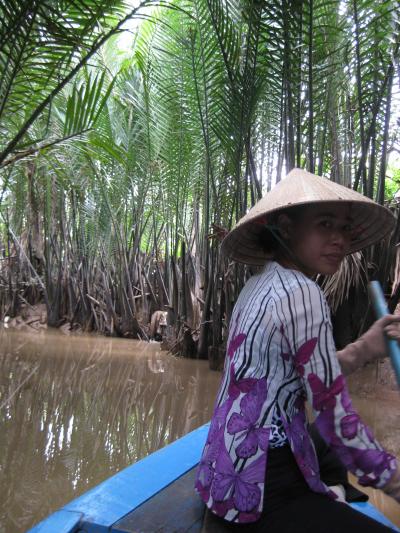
128 149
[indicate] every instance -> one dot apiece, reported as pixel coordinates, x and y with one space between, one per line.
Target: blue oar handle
381 309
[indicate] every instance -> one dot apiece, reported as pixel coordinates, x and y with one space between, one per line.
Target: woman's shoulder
286 280
276 286
296 292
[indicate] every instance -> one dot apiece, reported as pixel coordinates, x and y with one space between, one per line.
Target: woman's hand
375 337
371 345
391 326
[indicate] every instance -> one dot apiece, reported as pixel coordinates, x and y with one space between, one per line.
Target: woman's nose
340 237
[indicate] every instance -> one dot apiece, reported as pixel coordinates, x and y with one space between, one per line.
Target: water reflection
75 410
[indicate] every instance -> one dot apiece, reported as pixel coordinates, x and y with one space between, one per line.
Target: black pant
291 507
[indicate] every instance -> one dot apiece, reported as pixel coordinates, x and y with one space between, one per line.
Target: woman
259 466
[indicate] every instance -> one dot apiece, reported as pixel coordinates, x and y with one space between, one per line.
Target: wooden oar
381 309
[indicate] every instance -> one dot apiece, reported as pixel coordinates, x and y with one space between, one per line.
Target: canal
76 409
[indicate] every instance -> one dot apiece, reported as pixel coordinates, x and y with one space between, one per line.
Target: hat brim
372 221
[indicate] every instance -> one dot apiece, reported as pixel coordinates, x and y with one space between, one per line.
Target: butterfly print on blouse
238 386
240 486
203 481
325 423
214 442
244 423
303 354
373 463
349 425
352 422
324 400
304 450
222 508
324 397
205 473
236 340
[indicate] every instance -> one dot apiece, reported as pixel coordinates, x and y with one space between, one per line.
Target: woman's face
319 238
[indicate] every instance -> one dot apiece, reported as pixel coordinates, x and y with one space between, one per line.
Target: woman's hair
270 237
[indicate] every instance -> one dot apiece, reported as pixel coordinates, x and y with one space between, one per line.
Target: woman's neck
291 264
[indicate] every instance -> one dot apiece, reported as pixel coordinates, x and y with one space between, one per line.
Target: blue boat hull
117 504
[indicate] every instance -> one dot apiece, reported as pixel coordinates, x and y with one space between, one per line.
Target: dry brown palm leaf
396 271
352 273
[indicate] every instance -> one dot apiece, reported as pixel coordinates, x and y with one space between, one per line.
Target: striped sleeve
307 332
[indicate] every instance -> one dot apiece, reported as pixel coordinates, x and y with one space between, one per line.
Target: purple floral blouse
281 353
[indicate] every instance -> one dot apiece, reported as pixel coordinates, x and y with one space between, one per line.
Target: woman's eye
326 223
348 228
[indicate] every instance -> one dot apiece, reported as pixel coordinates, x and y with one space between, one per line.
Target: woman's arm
370 346
308 332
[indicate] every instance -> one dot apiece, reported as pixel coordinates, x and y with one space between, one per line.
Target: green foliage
141 148
43 44
392 182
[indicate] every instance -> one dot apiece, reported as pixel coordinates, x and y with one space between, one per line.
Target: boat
155 494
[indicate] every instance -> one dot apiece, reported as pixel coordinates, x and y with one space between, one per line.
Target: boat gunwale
106 504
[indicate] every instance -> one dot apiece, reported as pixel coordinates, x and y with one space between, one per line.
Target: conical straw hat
300 187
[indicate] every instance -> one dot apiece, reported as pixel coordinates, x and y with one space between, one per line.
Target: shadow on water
75 410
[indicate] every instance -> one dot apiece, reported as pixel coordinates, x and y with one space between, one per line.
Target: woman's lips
334 257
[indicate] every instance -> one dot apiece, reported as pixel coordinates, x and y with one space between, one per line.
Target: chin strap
292 256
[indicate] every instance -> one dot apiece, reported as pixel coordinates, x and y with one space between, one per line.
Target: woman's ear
285 225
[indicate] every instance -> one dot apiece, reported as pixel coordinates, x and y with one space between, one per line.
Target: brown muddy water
376 397
75 410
